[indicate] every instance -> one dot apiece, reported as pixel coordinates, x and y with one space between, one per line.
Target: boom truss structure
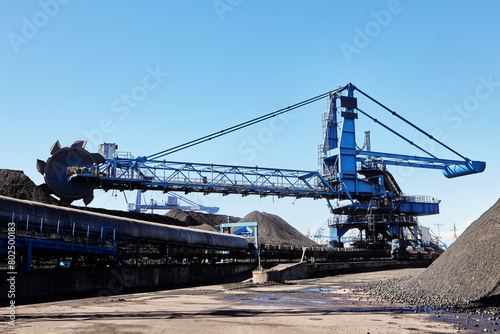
126 174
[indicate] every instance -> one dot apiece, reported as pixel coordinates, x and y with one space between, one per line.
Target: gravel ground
322 305
465 277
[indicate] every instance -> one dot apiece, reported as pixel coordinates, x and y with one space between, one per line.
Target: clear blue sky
67 68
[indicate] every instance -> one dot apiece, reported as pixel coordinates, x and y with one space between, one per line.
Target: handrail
419 199
28 222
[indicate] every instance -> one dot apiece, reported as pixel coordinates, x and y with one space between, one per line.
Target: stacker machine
359 176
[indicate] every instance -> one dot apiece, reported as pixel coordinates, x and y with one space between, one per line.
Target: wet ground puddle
344 300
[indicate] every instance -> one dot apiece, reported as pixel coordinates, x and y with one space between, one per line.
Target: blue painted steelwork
347 172
379 210
171 203
130 228
40 232
339 177
37 226
244 231
437 242
126 174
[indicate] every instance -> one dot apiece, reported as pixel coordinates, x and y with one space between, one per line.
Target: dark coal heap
14 183
275 231
198 220
466 275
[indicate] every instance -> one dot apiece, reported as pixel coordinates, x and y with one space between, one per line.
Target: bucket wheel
54 171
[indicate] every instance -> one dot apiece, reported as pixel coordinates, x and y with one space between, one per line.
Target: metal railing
48 232
379 218
419 199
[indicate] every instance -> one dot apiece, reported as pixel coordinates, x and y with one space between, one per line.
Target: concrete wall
116 281
282 272
293 271
324 269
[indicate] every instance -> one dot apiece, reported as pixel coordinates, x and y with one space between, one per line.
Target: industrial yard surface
324 305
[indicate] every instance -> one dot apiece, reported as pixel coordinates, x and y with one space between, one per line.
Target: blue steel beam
433 162
450 168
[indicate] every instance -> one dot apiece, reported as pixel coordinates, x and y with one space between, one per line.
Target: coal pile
465 276
15 184
149 217
198 220
276 231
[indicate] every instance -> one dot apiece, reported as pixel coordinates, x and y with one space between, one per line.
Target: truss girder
208 178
